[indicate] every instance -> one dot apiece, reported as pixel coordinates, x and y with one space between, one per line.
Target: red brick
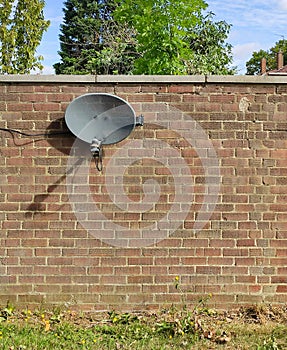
240 251
47 251
220 261
33 97
209 270
140 261
245 279
281 289
245 243
59 280
242 261
15 107
46 106
188 88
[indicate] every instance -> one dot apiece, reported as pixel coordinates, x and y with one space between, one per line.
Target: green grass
258 328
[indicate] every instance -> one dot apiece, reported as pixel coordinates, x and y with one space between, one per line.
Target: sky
256 24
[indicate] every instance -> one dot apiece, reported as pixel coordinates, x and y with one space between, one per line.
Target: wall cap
151 79
247 79
33 78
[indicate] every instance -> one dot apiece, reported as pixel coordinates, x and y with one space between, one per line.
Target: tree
174 37
22 25
142 37
211 54
253 66
92 41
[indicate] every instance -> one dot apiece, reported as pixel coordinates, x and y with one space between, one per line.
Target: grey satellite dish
101 119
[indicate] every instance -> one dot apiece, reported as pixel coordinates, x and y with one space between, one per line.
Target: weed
169 329
124 318
6 312
269 344
200 306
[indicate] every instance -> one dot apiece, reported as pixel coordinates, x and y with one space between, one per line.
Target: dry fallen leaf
208 334
223 338
47 326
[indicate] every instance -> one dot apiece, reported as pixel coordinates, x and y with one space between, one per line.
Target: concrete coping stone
33 78
157 79
151 79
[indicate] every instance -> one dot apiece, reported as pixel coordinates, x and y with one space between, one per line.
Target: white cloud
283 4
253 14
47 70
244 51
256 24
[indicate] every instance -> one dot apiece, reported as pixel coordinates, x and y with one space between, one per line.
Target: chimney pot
263 65
280 60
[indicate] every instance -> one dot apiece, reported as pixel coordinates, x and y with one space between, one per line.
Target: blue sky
256 24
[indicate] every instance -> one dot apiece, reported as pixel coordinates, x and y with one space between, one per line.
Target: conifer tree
91 41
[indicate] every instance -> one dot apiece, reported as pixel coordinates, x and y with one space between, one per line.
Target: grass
256 327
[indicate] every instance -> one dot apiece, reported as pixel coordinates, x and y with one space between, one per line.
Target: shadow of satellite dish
59 136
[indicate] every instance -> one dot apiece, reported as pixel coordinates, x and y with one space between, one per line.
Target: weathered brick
239 254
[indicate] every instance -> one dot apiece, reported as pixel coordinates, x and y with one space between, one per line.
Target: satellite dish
103 116
101 119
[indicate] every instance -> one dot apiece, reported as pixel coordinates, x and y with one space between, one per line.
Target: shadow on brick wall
60 138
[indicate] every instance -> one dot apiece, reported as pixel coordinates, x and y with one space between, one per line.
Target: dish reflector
104 117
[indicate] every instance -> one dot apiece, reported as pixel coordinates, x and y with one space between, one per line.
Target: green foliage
211 53
161 27
253 65
166 329
124 318
92 41
142 37
269 344
21 31
174 37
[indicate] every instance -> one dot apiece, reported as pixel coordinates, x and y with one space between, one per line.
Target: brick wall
219 140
